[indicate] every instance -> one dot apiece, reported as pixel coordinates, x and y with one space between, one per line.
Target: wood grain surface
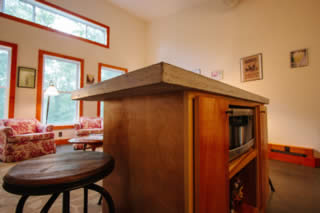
160 78
57 169
146 137
211 155
91 139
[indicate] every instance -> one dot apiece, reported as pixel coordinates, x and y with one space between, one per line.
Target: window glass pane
4 68
62 110
63 74
19 9
96 34
3 107
51 17
108 73
101 109
4 63
61 23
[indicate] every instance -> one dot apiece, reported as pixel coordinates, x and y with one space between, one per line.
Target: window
107 72
66 73
8 63
48 16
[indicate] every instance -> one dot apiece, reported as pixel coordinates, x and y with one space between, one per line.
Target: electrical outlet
60 134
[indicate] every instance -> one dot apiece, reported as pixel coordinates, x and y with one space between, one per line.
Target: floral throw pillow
20 127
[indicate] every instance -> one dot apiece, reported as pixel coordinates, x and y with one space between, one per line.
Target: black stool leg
21 203
105 194
48 205
66 202
100 200
271 185
85 200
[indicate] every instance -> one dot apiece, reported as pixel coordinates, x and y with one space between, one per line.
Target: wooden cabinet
212 168
168 131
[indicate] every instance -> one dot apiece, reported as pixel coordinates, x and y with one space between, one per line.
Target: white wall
212 37
127 47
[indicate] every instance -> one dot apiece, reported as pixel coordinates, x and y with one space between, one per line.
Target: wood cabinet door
211 155
264 157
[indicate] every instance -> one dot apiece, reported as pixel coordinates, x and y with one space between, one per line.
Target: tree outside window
106 74
4 80
66 76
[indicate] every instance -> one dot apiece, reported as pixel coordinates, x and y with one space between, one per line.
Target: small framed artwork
26 77
299 58
90 79
217 75
251 68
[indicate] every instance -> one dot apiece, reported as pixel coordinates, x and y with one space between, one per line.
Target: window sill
56 127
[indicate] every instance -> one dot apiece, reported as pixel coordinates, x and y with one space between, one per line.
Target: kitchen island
168 130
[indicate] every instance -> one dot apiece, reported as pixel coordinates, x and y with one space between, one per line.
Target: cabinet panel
211 155
264 156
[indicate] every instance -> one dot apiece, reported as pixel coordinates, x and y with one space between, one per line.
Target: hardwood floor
297 191
297 188
8 202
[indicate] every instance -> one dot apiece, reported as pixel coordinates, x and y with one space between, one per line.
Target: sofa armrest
77 126
7 131
44 128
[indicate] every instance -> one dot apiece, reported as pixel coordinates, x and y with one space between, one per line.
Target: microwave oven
241 131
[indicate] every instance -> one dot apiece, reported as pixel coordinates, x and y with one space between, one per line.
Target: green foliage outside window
106 74
19 9
4 59
66 76
52 19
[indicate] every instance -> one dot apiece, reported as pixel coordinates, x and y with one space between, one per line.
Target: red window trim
99 79
60 32
13 76
39 83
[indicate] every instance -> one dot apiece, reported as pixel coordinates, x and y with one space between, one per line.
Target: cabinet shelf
236 165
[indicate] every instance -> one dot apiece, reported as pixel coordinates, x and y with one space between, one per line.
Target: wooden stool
60 173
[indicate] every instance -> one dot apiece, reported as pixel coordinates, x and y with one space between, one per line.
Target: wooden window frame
42 53
13 76
20 20
100 65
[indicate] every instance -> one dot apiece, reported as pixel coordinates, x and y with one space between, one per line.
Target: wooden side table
60 173
92 140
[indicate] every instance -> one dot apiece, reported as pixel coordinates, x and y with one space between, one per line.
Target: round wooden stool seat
57 173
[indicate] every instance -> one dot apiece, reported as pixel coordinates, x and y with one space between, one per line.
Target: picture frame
26 77
217 75
197 71
299 58
251 68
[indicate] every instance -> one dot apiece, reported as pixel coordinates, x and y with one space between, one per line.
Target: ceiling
149 10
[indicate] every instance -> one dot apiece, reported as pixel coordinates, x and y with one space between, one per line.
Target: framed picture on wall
26 77
299 58
251 68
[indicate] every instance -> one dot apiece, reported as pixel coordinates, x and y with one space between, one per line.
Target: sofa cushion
21 126
83 132
31 137
90 123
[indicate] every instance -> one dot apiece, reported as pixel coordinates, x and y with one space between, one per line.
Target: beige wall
212 37
127 47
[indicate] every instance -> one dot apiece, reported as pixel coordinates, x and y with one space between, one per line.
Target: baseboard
293 154
62 141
